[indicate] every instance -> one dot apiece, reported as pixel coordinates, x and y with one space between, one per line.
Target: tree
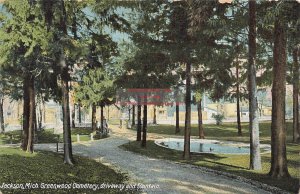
187 129
2 93
296 74
255 158
24 39
2 128
213 31
133 116
94 90
62 19
198 100
149 64
154 115
278 129
294 51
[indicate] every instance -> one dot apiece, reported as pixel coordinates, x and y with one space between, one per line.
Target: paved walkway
170 176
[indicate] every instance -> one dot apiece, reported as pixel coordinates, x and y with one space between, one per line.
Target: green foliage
219 118
96 87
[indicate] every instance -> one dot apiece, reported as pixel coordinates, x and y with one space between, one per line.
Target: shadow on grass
17 166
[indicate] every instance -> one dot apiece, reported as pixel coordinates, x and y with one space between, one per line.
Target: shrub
219 118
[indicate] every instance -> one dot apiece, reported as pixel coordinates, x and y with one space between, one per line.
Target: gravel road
170 177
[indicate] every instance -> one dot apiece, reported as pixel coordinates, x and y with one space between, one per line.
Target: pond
210 146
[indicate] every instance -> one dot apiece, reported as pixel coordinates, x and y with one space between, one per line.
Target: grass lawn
46 136
17 166
235 164
226 131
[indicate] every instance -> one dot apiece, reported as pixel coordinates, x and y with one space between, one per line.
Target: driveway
164 176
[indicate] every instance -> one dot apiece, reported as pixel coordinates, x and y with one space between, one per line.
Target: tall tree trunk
35 122
296 129
1 116
133 116
68 155
108 112
278 129
144 139
65 77
187 129
154 115
200 121
40 116
44 112
255 158
129 114
26 107
177 129
31 123
94 124
121 118
238 112
139 124
73 116
79 113
101 118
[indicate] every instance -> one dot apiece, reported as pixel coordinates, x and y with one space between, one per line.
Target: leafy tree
293 49
23 39
255 159
149 65
95 89
212 29
62 19
279 13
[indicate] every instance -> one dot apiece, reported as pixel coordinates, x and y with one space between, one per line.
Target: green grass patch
17 166
226 131
235 164
114 122
46 136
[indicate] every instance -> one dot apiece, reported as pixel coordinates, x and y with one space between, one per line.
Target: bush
219 118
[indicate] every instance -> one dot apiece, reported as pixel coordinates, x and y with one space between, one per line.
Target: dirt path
169 177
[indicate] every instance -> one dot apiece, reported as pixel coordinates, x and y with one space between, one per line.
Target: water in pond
207 147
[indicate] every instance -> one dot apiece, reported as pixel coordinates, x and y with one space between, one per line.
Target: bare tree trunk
101 118
26 107
65 77
187 129
200 121
94 124
1 116
35 122
238 112
79 113
108 112
68 155
177 128
255 158
44 112
144 139
296 130
139 124
278 129
73 116
31 122
154 115
133 116
40 115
